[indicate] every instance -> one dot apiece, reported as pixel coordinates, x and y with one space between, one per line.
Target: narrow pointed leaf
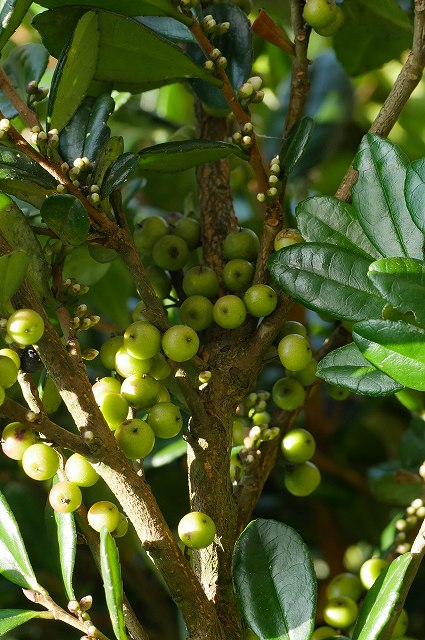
274 581
13 267
111 574
12 13
295 144
118 173
327 278
14 562
185 154
12 618
347 367
378 197
414 191
126 7
394 347
67 217
327 219
382 601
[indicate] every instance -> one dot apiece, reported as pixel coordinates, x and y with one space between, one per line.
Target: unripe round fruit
345 584
142 340
302 479
103 514
288 394
65 497
148 232
25 326
136 438
321 633
333 26
260 300
319 13
40 462
79 470
114 409
242 243
196 530
286 238
122 527
165 420
16 438
160 369
202 281
190 230
238 275
163 395
127 365
340 612
141 391
108 351
337 393
8 372
229 312
298 446
370 570
49 395
160 280
293 326
180 343
197 312
294 352
10 353
261 417
306 376
105 385
170 252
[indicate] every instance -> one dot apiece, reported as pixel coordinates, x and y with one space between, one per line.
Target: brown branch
27 114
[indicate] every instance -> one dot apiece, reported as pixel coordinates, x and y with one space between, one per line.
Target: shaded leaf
25 63
185 154
81 266
125 7
412 444
167 454
392 485
12 13
274 581
111 575
12 618
168 28
67 217
22 177
118 173
414 191
295 144
13 267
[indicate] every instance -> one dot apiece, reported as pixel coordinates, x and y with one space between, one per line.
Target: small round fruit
319 13
180 343
345 584
288 394
103 514
340 612
229 312
306 376
8 372
294 352
286 238
10 353
122 527
148 232
238 275
16 438
127 365
142 340
298 446
337 393
196 530
108 351
242 243
370 570
65 496
114 409
25 326
293 326
79 470
105 385
190 230
136 438
165 420
197 312
141 392
160 369
260 300
202 281
170 252
260 417
322 633
333 26
303 479
40 462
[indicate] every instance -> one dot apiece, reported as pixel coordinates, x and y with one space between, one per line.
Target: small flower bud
31 416
257 96
273 180
5 124
88 436
261 197
73 606
94 198
75 289
84 289
35 129
41 137
215 54
272 192
76 183
204 376
275 169
86 161
74 173
245 90
417 503
89 354
81 310
75 323
221 63
94 188
420 512
61 188
246 141
85 324
79 163
86 603
256 82
42 93
32 87
94 320
209 65
65 167
222 28
237 137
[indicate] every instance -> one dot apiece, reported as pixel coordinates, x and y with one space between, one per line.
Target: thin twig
27 114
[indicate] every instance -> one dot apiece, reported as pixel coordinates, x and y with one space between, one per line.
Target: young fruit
180 343
141 392
306 376
127 365
49 395
103 514
345 584
65 496
196 530
319 13
114 409
202 281
229 312
298 446
190 230
340 612
2 395
16 438
238 275
160 369
79 470
105 385
170 252
165 420
370 570
108 351
8 372
294 352
121 528
148 232
10 353
337 393
136 438
142 340
288 394
260 300
322 633
293 326
303 479
40 462
333 26
25 326
242 243
286 238
197 312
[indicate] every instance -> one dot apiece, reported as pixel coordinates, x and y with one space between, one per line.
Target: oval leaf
327 278
12 13
414 191
394 347
111 574
185 154
274 581
347 367
67 217
295 144
118 173
378 197
13 267
126 7
22 177
12 618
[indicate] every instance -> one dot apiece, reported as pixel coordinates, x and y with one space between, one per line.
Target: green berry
108 351
319 13
229 312
16 438
25 326
370 570
294 352
238 275
136 438
8 372
260 300
202 281
298 446
65 497
40 462
114 408
141 392
288 394
10 353
103 514
345 584
340 612
142 340
127 365
242 243
170 252
122 527
165 419
148 232
196 530
79 470
180 343
197 312
105 385
303 479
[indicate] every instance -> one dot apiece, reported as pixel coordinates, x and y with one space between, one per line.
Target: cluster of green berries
216 61
324 16
302 476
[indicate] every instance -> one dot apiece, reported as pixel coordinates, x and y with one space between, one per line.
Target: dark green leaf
395 347
295 144
381 604
185 154
125 7
378 197
13 267
24 178
111 574
327 278
412 443
118 173
168 28
414 191
391 485
25 63
347 367
401 281
108 154
67 217
274 580
12 618
12 13
74 72
81 266
14 562
327 219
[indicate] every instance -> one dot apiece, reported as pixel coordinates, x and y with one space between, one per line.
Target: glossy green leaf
414 191
347 367
185 154
67 217
401 281
74 72
12 618
332 221
109 153
378 197
168 27
111 575
125 7
382 601
394 347
13 267
118 173
12 13
295 144
80 265
124 43
14 562
327 278
22 177
274 581
25 63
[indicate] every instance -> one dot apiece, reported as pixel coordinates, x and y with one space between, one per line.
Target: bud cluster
250 91
212 28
